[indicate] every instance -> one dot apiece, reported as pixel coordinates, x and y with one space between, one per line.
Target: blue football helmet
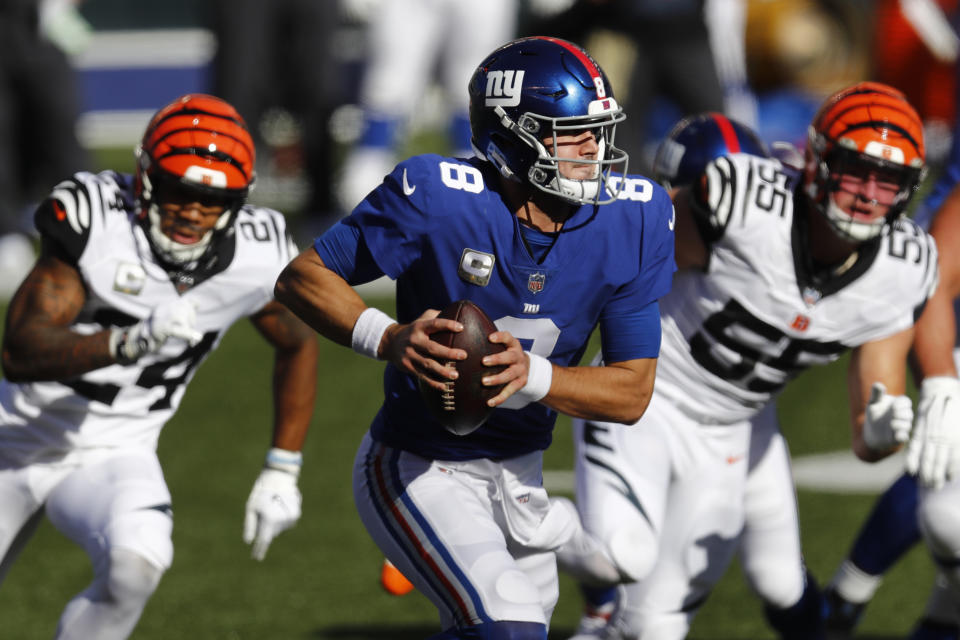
537 88
695 141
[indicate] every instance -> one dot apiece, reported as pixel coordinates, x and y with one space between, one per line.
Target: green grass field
320 580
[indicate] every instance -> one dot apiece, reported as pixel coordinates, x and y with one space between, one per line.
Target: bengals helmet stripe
873 112
200 143
864 128
204 132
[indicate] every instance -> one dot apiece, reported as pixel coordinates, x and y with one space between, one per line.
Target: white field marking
832 472
379 288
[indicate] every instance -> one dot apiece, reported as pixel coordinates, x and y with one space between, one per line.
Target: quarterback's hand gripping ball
462 406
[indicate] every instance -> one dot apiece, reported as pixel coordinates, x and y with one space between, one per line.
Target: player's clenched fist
175 319
888 419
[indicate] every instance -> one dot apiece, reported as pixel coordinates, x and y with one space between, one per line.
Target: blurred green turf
320 579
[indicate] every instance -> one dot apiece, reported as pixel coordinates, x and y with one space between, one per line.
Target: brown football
462 406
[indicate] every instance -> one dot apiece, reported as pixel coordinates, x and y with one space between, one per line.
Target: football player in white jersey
138 279
772 280
769 550
922 503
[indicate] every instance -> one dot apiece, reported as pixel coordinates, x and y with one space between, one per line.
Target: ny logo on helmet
503 88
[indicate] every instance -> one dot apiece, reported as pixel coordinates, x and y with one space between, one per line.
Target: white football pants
475 537
666 495
116 506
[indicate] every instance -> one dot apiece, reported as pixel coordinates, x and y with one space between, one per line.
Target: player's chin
583 172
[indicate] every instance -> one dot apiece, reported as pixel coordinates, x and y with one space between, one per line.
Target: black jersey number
154 375
753 355
772 192
261 231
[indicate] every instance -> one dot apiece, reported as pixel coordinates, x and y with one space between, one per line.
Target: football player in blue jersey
921 503
549 236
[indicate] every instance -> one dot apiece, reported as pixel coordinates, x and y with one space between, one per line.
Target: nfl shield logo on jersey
811 296
535 282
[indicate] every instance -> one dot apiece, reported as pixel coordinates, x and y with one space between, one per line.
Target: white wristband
539 378
368 331
284 460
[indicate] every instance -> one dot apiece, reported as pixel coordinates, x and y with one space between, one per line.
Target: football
462 406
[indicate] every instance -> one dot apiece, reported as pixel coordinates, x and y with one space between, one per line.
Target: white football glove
274 503
933 454
888 419
176 319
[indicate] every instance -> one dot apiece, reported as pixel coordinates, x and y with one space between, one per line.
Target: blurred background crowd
336 91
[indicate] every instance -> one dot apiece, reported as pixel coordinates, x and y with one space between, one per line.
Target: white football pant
475 537
116 506
665 496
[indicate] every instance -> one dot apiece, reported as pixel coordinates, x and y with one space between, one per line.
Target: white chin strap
578 191
177 252
845 226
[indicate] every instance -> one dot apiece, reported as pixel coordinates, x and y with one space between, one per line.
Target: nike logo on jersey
407 189
673 218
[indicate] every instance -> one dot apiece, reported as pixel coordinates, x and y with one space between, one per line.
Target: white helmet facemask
822 190
545 172
171 251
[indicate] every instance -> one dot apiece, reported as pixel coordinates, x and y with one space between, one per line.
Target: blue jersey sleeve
344 252
635 334
630 321
393 220
657 263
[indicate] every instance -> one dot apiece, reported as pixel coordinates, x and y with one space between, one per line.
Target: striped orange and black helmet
198 143
866 127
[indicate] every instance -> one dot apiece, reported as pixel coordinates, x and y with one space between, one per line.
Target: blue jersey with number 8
440 227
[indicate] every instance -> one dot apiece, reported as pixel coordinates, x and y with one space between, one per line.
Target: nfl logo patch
811 296
535 282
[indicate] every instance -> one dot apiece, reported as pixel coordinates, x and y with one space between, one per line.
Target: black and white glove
888 419
933 454
175 319
274 503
